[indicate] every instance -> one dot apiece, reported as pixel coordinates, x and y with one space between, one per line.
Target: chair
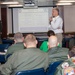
32 72
2 59
7 41
3 47
52 67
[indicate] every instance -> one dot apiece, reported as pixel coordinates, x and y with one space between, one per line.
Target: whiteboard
31 20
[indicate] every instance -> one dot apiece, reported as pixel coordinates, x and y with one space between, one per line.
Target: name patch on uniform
69 71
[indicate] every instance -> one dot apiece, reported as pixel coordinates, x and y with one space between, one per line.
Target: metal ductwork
39 2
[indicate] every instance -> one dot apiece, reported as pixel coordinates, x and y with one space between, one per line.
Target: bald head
53 42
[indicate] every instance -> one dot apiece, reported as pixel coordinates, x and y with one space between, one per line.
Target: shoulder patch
65 65
69 71
73 59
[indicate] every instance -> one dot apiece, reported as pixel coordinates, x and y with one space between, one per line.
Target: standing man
56 24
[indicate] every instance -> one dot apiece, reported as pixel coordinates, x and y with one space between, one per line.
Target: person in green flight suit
44 45
26 59
18 44
68 66
56 53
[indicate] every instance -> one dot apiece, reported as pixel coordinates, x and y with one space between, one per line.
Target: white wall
9 21
69 18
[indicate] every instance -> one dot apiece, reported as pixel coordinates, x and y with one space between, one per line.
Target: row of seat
7 41
3 47
50 71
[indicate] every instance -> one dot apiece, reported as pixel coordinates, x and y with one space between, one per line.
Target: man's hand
50 19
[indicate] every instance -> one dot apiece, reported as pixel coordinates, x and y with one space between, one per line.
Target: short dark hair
50 33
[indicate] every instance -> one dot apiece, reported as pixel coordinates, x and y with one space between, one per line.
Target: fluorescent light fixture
64 4
15 5
10 2
66 1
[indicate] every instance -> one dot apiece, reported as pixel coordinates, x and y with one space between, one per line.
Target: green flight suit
44 46
27 59
60 69
15 47
57 54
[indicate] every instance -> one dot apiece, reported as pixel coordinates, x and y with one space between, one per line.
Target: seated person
18 45
71 41
27 59
44 46
56 53
67 67
72 52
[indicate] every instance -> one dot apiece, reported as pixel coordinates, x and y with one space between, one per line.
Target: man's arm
7 68
55 24
58 72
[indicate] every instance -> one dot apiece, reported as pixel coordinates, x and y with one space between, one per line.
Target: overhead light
15 5
10 2
66 1
64 4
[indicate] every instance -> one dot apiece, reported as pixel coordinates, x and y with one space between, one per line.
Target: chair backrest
7 41
52 67
3 47
32 72
2 59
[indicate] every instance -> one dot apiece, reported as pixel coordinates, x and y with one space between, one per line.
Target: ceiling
40 2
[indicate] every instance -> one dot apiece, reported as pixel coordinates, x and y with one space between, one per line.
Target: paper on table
2 53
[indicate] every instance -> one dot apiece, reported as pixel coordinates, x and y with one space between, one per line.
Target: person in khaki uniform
18 45
56 53
27 59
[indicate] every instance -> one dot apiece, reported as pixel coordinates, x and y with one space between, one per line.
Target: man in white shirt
56 24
